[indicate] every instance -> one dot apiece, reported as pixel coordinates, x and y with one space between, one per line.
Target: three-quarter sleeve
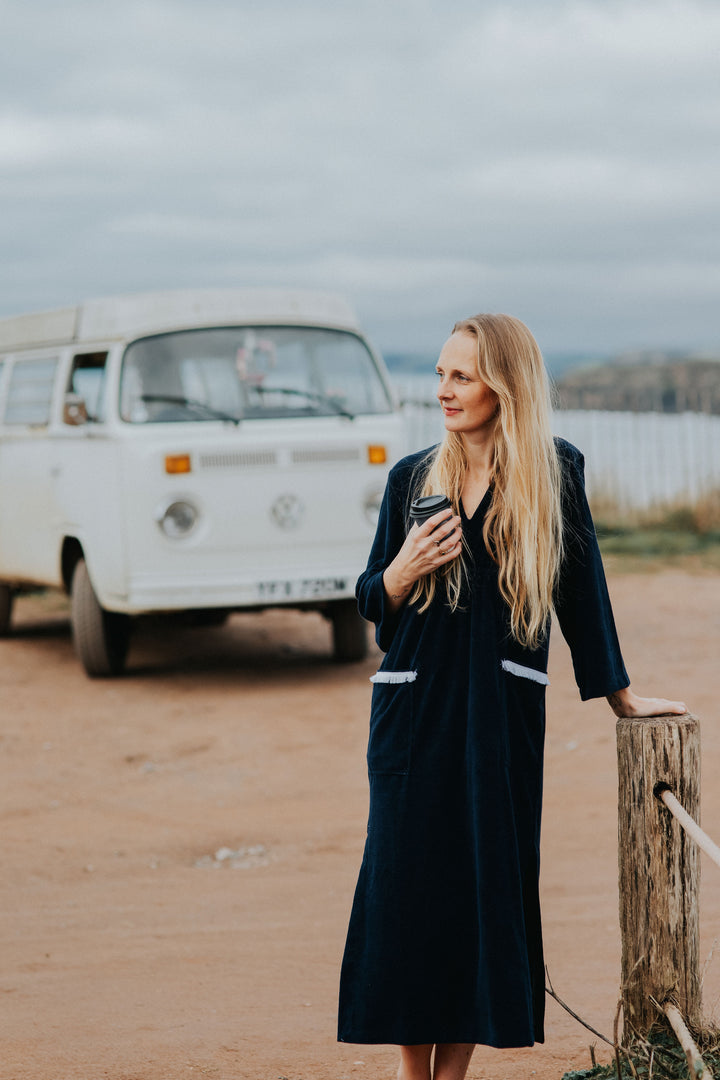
373 602
582 603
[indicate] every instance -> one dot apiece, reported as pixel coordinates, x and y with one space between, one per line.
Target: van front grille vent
325 455
238 458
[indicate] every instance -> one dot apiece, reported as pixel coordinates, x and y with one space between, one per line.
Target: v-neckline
471 517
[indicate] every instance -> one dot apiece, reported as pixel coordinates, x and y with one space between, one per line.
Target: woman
444 947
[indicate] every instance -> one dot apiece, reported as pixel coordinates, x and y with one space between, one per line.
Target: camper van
191 451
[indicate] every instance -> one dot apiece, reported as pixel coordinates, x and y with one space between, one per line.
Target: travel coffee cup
423 508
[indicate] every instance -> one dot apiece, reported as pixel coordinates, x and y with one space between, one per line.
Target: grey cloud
558 158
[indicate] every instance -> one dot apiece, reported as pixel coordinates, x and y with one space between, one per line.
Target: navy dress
445 941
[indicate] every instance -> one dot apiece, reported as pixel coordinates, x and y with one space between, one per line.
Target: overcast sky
556 160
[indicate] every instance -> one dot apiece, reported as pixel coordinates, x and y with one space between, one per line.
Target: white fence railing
644 460
637 461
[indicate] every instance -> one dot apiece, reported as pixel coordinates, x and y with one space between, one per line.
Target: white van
203 451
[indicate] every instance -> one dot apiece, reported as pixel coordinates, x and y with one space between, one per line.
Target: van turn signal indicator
177 463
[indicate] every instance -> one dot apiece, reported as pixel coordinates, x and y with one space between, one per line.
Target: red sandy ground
123 959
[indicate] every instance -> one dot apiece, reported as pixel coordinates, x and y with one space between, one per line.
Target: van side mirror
74 410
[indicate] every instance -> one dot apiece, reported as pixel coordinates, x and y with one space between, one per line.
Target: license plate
304 589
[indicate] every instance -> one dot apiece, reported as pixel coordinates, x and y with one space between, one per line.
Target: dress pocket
393 677
525 672
391 722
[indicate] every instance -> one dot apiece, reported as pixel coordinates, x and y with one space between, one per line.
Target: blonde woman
444 947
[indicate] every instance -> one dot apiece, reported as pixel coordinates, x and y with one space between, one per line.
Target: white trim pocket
393 676
525 672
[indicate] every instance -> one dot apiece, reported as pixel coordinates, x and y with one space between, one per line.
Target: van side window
30 392
87 376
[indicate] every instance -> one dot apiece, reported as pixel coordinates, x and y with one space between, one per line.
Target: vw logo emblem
287 511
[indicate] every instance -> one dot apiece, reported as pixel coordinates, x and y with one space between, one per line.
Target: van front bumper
155 593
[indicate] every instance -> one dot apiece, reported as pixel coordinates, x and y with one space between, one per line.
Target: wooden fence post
659 869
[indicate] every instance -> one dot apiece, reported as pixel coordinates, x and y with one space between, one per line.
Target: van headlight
178 519
371 506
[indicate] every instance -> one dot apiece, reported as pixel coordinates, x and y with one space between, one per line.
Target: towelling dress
444 942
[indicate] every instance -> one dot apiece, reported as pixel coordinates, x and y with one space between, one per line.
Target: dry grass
681 536
658 1057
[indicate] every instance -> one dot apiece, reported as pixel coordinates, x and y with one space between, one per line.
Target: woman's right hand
424 550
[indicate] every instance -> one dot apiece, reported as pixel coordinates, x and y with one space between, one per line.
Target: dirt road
131 952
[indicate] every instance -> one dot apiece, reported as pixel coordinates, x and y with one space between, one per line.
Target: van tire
349 632
6 606
100 637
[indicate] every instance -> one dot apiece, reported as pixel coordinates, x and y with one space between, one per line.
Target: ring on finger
437 543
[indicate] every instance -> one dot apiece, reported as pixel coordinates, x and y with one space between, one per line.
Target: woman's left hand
626 703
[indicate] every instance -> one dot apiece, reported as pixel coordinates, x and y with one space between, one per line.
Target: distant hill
644 382
638 381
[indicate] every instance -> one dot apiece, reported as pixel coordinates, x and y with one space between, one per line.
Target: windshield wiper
310 395
190 403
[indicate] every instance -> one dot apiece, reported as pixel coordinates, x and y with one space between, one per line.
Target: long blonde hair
523 530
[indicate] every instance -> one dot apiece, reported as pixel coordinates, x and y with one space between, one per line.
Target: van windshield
245 373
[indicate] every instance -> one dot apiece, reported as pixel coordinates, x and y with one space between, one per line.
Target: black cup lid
427 505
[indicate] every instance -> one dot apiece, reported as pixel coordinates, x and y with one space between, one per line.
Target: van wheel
100 637
6 606
349 630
